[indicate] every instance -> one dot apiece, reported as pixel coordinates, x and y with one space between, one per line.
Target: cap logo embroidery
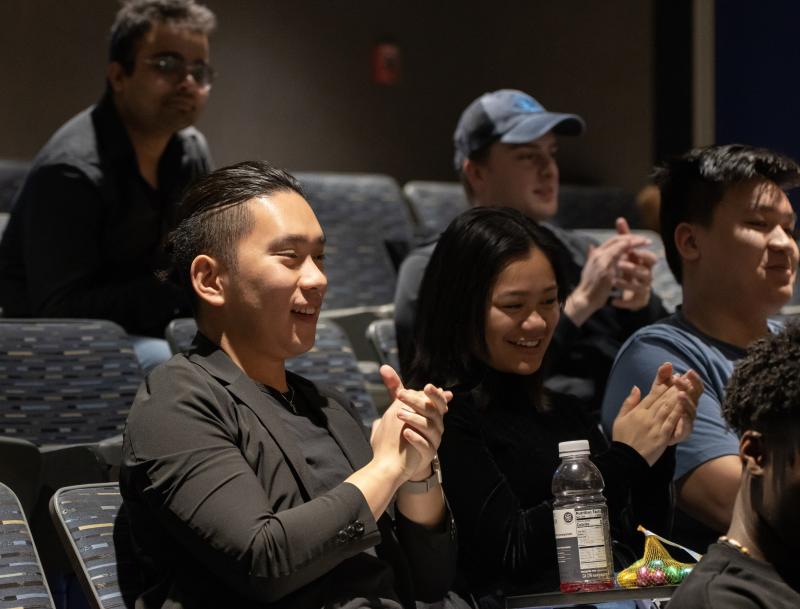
526 104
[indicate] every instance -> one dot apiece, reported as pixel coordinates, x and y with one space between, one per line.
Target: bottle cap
575 447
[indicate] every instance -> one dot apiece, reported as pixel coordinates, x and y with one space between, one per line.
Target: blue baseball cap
511 117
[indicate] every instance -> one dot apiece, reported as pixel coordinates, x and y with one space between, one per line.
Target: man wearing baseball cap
505 155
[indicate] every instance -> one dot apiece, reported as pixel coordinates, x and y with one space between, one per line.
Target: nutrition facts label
581 543
591 538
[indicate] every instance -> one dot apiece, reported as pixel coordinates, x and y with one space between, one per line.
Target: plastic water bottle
580 518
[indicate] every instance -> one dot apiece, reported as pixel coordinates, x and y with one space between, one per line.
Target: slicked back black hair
213 217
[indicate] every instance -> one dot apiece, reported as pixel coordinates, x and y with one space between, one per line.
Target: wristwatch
420 487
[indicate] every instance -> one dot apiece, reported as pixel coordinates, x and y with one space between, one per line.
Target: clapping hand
410 431
664 417
619 262
634 274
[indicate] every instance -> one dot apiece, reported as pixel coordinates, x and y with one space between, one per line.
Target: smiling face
749 253
522 176
150 100
522 314
273 296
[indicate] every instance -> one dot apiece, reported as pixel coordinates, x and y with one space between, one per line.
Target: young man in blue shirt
728 232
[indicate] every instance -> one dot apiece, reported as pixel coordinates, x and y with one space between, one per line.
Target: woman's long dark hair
449 333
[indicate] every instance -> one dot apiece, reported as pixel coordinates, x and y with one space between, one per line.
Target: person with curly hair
755 563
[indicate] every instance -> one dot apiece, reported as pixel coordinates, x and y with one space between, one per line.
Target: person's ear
206 274
115 74
475 174
686 241
752 452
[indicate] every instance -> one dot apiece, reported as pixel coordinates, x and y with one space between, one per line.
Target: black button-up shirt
86 232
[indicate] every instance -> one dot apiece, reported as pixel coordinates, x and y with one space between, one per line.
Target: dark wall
756 83
294 84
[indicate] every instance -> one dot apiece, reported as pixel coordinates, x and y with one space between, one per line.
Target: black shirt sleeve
185 469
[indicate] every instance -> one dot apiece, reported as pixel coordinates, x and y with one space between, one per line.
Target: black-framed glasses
176 68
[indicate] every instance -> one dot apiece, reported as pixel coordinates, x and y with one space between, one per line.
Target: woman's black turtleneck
498 455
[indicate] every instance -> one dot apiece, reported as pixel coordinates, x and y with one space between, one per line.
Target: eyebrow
552 288
769 208
290 240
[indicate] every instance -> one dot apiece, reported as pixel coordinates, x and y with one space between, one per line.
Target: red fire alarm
386 63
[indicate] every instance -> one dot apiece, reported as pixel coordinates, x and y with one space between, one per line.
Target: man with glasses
85 235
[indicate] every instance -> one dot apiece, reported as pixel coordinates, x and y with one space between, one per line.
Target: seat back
435 204
22 582
21 467
330 362
381 334
66 381
664 283
364 218
180 333
594 207
92 525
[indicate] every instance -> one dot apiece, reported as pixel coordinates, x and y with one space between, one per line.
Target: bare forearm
378 483
578 308
427 509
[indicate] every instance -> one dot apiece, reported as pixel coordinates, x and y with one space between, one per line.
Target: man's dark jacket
223 511
86 232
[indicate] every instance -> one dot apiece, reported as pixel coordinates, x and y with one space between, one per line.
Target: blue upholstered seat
363 216
179 334
66 387
65 381
91 522
331 362
22 582
435 204
381 334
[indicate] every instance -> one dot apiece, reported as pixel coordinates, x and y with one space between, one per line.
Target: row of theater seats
93 530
